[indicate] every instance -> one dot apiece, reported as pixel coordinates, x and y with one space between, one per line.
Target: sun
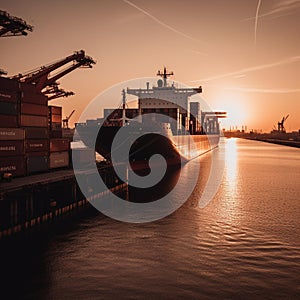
236 108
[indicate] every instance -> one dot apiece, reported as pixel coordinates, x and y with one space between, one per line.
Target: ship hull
175 149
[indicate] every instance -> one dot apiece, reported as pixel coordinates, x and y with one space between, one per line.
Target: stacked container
12 138
12 151
59 153
34 119
26 125
55 120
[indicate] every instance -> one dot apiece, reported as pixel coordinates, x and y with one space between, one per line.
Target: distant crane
281 124
66 120
12 26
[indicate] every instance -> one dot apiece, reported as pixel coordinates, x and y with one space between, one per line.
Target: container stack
55 120
30 131
59 147
12 137
59 153
34 120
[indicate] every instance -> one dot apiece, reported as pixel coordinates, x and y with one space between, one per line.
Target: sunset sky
245 54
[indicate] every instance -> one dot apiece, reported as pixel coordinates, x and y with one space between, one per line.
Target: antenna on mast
164 75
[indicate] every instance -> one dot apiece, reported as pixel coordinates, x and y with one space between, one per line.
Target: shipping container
36 145
32 154
59 145
55 134
13 134
34 109
36 133
7 108
59 159
34 98
34 121
11 148
8 84
10 96
9 121
55 118
55 110
30 94
13 164
55 126
37 164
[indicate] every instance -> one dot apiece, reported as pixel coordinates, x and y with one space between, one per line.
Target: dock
26 202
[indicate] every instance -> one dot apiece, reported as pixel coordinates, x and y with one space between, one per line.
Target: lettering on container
9 133
36 145
8 168
5 96
7 148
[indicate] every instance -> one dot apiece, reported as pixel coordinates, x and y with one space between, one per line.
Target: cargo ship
165 122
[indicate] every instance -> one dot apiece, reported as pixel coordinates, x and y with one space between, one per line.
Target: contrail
160 22
283 8
265 91
289 60
256 20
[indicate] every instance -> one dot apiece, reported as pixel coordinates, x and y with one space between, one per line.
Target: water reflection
229 208
231 156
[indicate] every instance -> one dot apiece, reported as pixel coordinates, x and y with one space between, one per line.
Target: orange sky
255 77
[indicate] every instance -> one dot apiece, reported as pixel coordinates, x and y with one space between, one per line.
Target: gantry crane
281 124
47 84
53 92
2 72
66 120
12 26
210 122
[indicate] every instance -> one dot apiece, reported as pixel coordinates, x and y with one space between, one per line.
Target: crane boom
12 26
40 78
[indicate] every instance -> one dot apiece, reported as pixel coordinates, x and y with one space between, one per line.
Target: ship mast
123 107
164 75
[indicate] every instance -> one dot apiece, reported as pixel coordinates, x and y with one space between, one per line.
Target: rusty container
36 133
8 84
59 145
37 164
59 160
7 108
36 145
14 165
55 110
34 121
14 134
11 148
34 109
9 96
9 121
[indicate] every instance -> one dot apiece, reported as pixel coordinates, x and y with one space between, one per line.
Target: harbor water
244 244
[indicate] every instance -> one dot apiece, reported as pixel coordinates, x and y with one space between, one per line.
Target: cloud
289 60
160 22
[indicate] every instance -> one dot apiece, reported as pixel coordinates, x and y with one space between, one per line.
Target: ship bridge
165 98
